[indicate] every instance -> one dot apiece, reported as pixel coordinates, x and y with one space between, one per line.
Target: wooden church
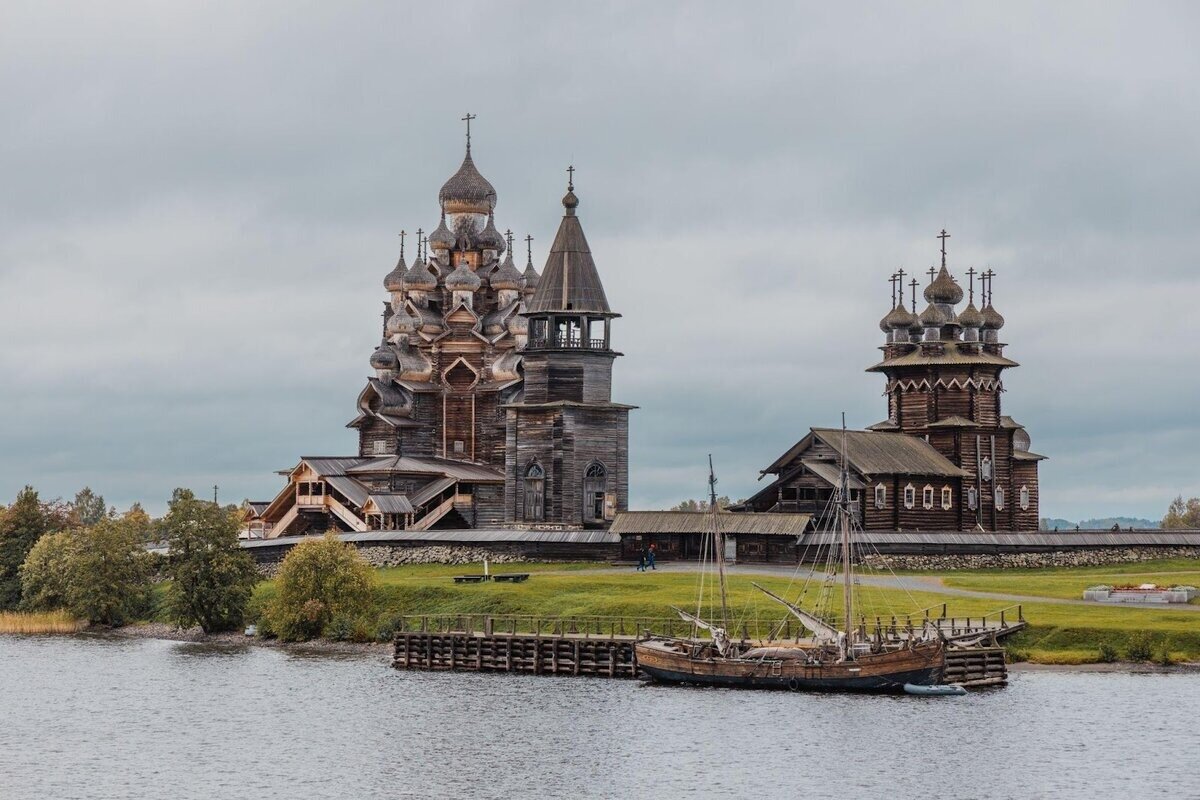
490 403
946 458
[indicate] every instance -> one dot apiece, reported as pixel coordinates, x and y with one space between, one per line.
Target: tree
21 525
45 582
319 580
88 507
1183 514
108 574
212 577
723 502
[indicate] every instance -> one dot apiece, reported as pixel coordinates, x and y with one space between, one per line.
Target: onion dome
420 278
489 238
970 317
931 317
401 322
394 281
463 279
467 190
384 357
441 238
531 277
506 276
518 325
900 318
944 289
992 320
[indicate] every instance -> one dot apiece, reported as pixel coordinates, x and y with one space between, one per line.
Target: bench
470 578
512 577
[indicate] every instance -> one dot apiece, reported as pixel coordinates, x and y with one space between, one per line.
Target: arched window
972 498
910 496
535 492
927 497
1024 498
595 487
999 499
880 496
947 498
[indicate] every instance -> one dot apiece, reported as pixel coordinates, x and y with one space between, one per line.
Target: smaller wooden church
946 458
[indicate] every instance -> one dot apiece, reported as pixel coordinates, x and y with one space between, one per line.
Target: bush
318 581
1164 657
212 578
387 626
1016 655
44 584
1107 653
346 628
1140 647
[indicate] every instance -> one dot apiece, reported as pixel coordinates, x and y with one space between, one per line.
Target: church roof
570 281
467 186
700 522
875 453
952 355
953 422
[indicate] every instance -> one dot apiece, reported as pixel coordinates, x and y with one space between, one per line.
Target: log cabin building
490 404
946 458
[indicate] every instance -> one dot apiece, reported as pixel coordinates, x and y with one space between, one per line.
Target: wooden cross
401 244
508 236
571 178
943 236
932 271
467 119
971 277
914 295
893 281
529 247
419 242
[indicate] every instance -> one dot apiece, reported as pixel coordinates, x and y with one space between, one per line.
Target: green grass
1069 583
1057 633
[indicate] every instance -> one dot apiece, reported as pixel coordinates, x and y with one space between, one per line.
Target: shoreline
165 632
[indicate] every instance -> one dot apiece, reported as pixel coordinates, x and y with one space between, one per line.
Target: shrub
1140 647
318 581
1164 655
212 578
1016 655
1107 653
44 584
346 628
387 626
21 525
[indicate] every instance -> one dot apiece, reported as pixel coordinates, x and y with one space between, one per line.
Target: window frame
972 498
947 498
910 496
999 498
927 497
1024 497
880 496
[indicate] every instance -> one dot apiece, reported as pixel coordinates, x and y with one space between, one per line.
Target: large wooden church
946 458
490 403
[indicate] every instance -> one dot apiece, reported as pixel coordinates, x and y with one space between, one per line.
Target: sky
200 201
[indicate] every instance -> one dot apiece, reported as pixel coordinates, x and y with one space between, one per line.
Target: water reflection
102 718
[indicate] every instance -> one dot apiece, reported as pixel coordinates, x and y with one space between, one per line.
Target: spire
570 281
467 191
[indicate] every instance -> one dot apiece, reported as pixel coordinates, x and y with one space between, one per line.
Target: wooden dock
589 646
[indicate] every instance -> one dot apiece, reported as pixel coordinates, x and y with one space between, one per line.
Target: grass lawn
1057 633
1069 583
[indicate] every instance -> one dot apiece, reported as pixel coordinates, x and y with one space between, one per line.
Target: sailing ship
833 658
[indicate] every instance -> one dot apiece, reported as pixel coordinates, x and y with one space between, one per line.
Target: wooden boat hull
669 662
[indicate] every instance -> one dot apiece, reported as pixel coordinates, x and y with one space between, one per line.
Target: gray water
88 717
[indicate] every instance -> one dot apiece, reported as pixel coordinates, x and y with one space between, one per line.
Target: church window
379 447
999 499
535 492
880 496
788 494
1024 498
985 468
947 498
460 446
910 496
595 483
972 498
807 493
927 497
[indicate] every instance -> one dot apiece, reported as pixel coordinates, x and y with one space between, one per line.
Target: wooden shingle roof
570 280
877 453
698 522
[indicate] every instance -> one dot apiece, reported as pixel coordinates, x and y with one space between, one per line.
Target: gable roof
698 522
877 453
951 355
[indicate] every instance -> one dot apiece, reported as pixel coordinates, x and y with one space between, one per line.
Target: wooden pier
590 646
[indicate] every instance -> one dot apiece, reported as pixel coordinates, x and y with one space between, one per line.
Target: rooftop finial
529 249
419 241
900 273
932 271
509 237
893 280
913 284
402 234
467 119
571 178
971 283
943 236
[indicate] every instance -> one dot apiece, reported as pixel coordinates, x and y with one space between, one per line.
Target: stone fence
1065 558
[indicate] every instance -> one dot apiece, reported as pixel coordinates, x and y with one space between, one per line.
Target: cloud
201 204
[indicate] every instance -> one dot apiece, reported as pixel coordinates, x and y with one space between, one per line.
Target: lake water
91 717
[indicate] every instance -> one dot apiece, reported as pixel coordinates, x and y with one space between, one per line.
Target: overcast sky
200 200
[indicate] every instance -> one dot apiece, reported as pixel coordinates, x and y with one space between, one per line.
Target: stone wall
1068 558
396 555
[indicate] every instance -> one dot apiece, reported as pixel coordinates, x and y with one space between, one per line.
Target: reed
39 622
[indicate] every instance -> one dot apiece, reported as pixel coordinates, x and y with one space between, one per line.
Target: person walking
650 557
642 556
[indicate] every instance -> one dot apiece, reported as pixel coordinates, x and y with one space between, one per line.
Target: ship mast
844 514
718 541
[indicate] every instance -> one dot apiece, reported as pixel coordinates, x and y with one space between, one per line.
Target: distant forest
1098 524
